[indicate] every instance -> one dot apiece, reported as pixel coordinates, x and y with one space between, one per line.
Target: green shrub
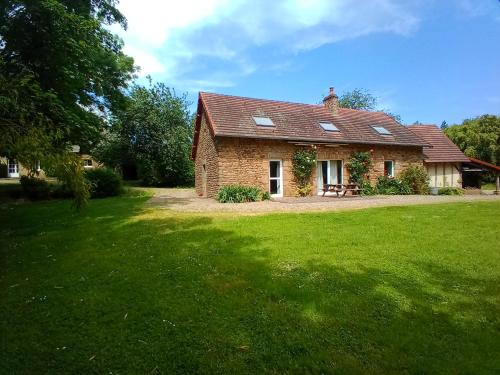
416 177
240 194
392 186
450 191
61 191
266 196
35 188
104 182
359 165
305 190
367 189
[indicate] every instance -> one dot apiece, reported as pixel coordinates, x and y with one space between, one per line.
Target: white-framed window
275 178
389 168
13 168
329 172
87 163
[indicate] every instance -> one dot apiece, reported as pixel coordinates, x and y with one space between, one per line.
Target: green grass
123 289
489 186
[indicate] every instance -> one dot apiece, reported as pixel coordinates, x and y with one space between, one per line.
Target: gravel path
185 200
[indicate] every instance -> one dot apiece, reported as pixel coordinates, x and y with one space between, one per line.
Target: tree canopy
478 137
358 99
62 74
362 99
153 134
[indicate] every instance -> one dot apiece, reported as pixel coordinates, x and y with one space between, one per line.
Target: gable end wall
206 181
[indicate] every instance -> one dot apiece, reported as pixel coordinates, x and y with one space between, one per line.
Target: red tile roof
443 149
491 167
231 116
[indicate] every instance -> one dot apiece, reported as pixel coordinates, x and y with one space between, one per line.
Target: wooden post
497 190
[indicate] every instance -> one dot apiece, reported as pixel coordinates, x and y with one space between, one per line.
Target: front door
13 168
275 178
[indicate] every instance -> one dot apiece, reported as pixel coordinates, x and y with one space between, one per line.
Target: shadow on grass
130 293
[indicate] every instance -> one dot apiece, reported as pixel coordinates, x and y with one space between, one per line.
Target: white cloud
147 61
178 40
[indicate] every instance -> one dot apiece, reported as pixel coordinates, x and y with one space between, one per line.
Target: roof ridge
289 102
261 99
361 110
423 125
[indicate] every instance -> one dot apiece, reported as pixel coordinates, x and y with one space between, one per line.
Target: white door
275 178
13 168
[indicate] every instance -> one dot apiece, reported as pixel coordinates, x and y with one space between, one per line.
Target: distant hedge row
103 182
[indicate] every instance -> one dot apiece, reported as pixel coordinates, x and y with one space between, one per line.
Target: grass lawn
124 289
489 186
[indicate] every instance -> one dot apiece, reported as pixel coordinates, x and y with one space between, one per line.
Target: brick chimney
331 101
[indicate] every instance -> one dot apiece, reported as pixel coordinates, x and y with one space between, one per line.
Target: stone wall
246 161
206 163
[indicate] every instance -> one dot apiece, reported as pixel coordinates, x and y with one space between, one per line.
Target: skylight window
328 126
263 121
381 130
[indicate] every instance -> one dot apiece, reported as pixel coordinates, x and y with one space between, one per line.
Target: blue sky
429 60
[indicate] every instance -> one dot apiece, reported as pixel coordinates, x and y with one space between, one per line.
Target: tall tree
154 133
62 73
478 137
364 100
358 99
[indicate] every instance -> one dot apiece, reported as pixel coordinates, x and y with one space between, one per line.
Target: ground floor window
389 168
275 178
87 163
329 172
13 168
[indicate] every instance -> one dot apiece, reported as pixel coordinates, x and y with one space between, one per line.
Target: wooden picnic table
341 189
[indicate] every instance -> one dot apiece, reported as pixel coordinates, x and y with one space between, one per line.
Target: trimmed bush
416 177
35 188
240 194
104 182
392 186
450 191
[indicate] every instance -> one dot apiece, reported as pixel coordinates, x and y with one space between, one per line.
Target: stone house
251 142
11 168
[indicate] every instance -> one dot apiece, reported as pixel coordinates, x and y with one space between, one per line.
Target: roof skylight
328 126
263 121
381 130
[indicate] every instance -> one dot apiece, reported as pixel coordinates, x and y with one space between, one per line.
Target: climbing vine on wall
303 164
359 165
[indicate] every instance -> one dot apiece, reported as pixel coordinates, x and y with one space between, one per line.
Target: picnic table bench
341 189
